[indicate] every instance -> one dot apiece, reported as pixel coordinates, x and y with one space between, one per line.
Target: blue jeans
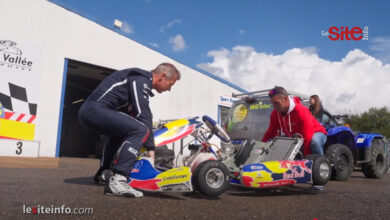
317 142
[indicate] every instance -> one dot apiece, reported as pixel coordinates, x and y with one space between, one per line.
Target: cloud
154 45
241 31
127 28
381 48
169 25
352 85
178 42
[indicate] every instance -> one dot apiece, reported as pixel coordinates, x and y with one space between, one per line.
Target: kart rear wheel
377 168
211 178
321 170
341 160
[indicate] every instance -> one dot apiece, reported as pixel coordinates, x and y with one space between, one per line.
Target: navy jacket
124 88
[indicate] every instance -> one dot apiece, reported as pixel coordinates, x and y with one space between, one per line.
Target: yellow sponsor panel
177 123
17 130
174 176
258 177
275 166
173 127
261 176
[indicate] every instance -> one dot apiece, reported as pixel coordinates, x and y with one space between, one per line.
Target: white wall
61 34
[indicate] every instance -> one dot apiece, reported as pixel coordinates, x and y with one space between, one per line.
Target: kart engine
164 158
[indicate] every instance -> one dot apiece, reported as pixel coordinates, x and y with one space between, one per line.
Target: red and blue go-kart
201 169
273 164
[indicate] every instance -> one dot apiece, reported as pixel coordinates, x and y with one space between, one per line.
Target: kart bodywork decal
276 173
173 131
174 176
145 177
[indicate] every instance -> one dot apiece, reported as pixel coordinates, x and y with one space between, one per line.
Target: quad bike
273 164
169 173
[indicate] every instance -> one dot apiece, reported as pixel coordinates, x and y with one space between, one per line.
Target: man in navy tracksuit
128 89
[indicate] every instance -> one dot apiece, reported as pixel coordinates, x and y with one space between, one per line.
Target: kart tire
211 178
243 154
377 168
341 161
321 169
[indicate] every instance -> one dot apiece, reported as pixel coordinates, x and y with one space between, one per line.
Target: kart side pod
276 173
145 177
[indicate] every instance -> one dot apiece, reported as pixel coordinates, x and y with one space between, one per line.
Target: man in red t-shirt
290 117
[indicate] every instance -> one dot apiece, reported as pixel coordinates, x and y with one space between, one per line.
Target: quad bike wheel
211 178
321 169
377 168
341 161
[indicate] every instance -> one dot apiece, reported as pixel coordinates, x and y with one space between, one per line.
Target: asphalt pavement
70 188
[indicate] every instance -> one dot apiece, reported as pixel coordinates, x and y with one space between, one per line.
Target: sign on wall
19 90
227 101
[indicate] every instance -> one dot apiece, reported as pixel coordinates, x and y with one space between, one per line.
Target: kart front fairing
145 177
275 173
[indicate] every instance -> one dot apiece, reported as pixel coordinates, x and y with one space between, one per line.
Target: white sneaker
118 185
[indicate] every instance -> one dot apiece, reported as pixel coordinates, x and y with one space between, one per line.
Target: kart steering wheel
216 128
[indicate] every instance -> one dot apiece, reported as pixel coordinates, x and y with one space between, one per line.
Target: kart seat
284 148
244 152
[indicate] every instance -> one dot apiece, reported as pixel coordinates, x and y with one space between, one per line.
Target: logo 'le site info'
346 33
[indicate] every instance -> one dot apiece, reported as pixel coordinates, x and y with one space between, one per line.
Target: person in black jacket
119 108
316 108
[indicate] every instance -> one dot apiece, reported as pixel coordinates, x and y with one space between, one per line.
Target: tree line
375 120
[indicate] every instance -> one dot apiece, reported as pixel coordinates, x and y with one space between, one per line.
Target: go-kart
169 173
273 164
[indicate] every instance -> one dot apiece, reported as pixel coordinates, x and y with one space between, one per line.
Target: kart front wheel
211 178
321 170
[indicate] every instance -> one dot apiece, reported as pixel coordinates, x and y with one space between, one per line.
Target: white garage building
52 58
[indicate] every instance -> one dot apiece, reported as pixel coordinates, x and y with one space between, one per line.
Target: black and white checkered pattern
17 100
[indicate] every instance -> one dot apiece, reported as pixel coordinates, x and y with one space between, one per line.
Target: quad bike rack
264 92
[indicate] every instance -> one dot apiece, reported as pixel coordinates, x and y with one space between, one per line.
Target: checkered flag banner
16 100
